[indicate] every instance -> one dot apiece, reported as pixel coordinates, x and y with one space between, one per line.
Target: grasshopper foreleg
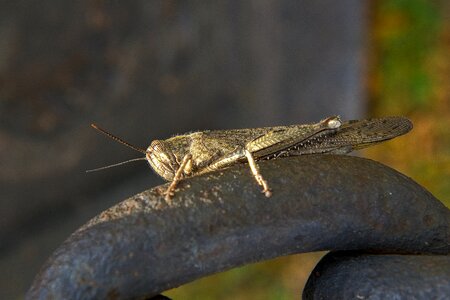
178 176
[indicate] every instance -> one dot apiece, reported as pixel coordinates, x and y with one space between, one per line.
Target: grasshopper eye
161 160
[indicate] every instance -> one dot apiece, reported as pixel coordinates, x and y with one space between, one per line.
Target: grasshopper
196 153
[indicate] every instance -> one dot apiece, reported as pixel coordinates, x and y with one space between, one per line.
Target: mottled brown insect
191 154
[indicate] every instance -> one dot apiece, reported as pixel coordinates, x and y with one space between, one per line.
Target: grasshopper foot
267 193
169 194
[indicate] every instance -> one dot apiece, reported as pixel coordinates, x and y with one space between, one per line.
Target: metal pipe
217 221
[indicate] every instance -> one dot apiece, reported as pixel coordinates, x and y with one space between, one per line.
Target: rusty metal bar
143 246
346 275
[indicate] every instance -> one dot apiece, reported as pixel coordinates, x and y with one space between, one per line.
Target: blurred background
146 70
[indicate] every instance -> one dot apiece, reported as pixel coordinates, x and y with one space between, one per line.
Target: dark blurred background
146 70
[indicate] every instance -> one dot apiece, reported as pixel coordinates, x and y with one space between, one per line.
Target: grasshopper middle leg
255 171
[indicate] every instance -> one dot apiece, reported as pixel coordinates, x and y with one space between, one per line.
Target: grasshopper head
162 160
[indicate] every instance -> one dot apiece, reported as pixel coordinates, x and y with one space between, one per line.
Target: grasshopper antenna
117 139
115 165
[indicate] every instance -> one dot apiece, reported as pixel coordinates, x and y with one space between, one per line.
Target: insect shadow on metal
196 153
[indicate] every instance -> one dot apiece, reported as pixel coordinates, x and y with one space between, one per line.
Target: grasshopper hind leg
256 173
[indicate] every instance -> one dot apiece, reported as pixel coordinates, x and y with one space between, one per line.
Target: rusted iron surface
143 246
344 275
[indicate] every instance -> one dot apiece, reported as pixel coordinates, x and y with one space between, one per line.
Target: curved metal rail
143 246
